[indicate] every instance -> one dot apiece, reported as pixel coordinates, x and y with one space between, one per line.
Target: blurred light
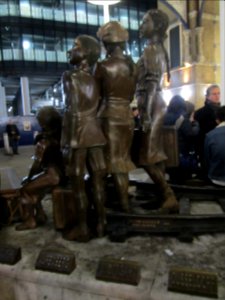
186 92
10 109
205 89
186 75
167 95
99 2
187 64
165 81
26 45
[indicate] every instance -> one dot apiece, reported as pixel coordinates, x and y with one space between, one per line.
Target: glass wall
33 30
80 12
67 11
174 47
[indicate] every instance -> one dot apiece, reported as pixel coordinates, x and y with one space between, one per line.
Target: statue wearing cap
116 76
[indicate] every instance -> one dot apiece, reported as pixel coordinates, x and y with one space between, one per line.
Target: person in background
190 111
14 136
180 114
214 150
206 117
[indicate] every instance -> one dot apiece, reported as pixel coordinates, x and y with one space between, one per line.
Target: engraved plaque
117 270
145 224
9 254
191 281
150 224
59 261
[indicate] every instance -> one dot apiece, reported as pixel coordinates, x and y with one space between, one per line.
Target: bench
10 184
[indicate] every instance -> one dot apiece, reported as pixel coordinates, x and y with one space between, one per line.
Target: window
174 47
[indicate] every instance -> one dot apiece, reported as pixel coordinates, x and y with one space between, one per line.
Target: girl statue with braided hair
151 66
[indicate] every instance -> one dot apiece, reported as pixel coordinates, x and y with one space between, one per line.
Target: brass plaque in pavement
56 261
118 270
191 281
9 254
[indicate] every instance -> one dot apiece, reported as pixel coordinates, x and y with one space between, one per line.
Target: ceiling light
26 45
105 5
99 2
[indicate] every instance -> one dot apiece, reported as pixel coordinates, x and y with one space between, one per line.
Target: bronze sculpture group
97 126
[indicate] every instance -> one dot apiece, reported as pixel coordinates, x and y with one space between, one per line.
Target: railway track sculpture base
184 225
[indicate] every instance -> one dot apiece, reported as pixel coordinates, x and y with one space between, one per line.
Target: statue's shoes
100 229
26 225
169 208
76 234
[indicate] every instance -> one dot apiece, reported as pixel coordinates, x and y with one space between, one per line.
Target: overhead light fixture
99 2
26 45
105 5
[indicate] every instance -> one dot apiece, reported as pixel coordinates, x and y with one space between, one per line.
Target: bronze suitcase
64 210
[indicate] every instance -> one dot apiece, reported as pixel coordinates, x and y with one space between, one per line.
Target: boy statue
47 170
82 139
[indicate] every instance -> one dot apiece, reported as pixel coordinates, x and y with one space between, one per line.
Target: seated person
46 172
214 150
180 114
206 117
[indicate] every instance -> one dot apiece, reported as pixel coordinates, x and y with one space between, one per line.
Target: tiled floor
155 254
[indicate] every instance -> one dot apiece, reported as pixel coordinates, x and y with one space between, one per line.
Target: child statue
116 76
151 66
47 170
82 138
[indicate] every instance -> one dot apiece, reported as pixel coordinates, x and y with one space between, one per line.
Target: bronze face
146 27
76 54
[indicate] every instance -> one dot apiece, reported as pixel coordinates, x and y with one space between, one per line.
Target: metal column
25 94
3 109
